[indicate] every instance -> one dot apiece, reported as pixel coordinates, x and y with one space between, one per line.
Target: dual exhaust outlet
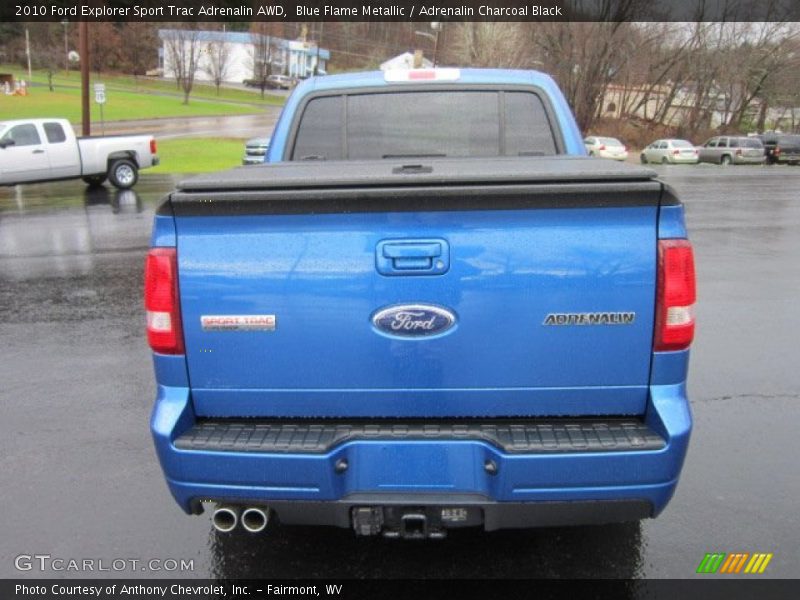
253 519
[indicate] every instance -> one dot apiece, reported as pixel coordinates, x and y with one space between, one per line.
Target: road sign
100 93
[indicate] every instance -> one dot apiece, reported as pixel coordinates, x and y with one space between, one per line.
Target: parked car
781 148
35 150
274 82
671 151
422 328
283 82
255 150
606 147
732 150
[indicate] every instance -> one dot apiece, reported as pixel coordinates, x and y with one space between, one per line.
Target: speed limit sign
100 93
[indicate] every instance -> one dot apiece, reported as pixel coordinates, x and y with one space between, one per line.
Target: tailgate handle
412 257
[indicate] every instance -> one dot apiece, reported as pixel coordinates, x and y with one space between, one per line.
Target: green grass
200 90
66 103
198 155
128 99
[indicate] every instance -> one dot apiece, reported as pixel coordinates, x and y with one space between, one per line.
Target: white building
404 61
294 58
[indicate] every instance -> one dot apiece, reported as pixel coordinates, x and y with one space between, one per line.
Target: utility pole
437 27
83 42
28 52
66 47
319 43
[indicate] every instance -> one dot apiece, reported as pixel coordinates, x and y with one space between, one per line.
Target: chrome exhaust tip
255 519
225 518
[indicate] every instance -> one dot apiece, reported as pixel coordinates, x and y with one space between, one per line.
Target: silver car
605 147
255 150
670 151
732 150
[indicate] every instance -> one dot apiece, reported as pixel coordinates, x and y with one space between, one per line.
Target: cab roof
465 76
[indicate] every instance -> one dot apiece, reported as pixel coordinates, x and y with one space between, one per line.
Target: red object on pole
83 43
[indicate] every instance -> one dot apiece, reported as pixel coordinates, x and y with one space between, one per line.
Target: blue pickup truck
429 310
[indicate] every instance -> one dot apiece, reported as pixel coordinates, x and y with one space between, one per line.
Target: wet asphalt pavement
79 477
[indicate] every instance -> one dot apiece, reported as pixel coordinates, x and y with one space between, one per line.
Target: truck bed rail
511 436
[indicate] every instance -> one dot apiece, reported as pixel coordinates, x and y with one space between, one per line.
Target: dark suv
781 148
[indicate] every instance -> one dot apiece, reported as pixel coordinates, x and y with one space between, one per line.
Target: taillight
739 152
676 295
602 147
676 152
153 146
777 150
161 301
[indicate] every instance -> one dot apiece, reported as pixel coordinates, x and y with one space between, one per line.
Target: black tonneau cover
418 184
417 171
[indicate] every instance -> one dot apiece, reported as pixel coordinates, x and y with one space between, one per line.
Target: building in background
406 60
295 58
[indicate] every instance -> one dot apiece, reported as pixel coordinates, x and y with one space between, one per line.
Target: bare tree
105 47
782 96
138 38
763 62
489 44
47 50
183 52
655 75
218 61
584 58
50 60
262 54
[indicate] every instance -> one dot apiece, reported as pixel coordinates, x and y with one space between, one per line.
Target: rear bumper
253 159
558 487
749 160
602 154
468 510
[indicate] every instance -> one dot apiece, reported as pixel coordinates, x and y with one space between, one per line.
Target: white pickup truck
47 149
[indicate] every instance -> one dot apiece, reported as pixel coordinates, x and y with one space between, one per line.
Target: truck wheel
725 161
94 180
123 174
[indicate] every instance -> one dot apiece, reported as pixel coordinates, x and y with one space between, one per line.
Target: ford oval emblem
413 320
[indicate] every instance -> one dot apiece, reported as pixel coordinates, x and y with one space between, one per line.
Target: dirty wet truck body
454 328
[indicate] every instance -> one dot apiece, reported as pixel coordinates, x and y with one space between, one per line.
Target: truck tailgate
542 273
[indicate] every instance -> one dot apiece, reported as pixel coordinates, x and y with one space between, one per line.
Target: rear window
320 136
611 142
527 128
750 143
681 144
55 133
428 123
